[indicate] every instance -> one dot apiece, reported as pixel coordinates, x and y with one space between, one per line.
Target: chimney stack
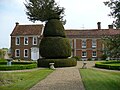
110 26
99 25
17 23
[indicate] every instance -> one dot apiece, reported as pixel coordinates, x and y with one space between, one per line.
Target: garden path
61 79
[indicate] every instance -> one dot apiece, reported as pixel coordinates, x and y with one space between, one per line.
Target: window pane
17 40
84 43
17 53
93 43
84 54
34 40
25 53
94 54
26 40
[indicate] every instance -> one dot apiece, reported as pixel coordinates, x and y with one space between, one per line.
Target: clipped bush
77 58
113 65
52 47
54 28
17 65
89 59
69 62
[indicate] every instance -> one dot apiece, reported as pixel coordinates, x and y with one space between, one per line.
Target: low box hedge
17 66
113 65
69 62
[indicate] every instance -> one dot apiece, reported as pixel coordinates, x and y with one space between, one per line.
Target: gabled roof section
21 30
72 33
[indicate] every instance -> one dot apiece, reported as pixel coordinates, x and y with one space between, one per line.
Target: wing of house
25 41
87 43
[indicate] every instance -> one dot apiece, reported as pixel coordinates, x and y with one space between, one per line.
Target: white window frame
94 54
17 55
94 44
25 52
34 38
26 38
84 55
84 43
17 40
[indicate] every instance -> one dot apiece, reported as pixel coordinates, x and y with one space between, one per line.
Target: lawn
100 80
22 80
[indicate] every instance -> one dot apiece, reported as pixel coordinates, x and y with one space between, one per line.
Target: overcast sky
80 14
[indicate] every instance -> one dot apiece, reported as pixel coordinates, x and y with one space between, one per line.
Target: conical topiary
54 44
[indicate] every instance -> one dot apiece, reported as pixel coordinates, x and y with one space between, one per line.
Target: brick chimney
17 23
110 26
99 25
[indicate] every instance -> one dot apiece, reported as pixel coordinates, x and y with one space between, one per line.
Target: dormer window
34 40
17 40
25 40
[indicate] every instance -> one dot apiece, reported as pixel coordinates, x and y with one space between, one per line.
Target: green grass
21 80
3 60
100 80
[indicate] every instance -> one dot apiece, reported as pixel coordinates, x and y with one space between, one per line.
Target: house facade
87 43
25 41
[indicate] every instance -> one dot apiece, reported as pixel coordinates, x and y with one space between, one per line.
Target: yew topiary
52 47
54 44
54 28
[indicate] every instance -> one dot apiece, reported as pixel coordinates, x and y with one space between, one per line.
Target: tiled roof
27 30
71 33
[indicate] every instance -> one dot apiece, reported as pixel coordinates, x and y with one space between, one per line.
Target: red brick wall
88 48
21 47
78 43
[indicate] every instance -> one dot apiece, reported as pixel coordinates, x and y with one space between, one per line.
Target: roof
72 33
27 30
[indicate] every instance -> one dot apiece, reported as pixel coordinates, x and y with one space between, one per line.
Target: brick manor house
86 43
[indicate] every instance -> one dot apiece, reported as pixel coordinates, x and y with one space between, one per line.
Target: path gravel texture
61 79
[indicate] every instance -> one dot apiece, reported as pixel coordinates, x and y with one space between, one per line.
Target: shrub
114 65
17 65
54 28
69 62
77 58
89 59
52 47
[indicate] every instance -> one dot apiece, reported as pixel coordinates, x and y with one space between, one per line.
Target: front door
34 53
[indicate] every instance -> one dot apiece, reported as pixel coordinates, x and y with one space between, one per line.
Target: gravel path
61 79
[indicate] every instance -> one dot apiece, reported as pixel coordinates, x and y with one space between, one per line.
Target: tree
54 43
44 10
112 44
114 5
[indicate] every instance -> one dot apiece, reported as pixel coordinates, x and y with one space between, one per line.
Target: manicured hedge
113 65
54 28
17 65
52 47
69 62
